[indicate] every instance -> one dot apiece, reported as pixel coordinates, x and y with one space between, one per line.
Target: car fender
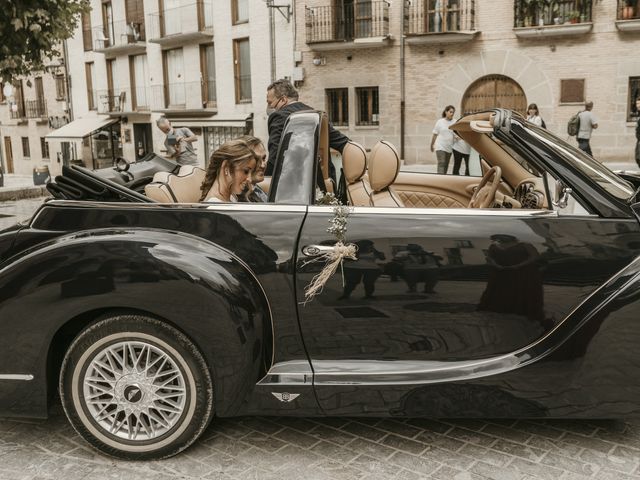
196 285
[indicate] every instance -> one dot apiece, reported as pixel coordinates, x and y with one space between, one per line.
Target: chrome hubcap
134 390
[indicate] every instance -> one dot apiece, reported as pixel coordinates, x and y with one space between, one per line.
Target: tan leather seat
384 165
354 167
183 187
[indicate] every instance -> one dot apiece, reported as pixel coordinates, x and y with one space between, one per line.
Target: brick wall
437 75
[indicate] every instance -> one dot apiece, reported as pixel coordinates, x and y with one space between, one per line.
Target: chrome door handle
315 250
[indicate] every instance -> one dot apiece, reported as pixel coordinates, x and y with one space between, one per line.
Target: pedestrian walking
461 151
588 122
638 132
178 142
533 115
442 139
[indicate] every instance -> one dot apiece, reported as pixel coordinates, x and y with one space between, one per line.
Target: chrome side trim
15 376
294 372
398 372
458 212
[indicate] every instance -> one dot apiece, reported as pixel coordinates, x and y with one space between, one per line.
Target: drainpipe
67 79
402 79
272 40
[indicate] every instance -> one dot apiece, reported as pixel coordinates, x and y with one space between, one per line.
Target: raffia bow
334 259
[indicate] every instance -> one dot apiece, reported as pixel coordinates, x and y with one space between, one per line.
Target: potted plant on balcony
628 8
574 16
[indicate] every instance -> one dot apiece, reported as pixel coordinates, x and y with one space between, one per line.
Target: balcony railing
36 108
628 15
118 36
542 13
187 22
437 16
19 112
628 10
347 22
179 96
121 100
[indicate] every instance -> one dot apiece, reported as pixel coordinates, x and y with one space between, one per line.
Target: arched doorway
494 91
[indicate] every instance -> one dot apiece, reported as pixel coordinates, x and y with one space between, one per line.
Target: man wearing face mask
282 101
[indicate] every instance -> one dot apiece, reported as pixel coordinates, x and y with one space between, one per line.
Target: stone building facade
36 106
204 64
470 54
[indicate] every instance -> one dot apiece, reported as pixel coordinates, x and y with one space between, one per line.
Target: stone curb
12 194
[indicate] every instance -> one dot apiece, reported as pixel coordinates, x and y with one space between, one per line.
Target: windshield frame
611 183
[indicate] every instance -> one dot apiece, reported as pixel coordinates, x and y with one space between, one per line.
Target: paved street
335 448
342 448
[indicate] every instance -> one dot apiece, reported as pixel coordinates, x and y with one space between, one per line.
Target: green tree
32 30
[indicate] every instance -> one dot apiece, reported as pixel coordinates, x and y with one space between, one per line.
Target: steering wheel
485 194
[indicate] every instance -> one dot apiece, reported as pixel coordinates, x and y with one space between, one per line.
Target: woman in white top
442 140
229 172
533 115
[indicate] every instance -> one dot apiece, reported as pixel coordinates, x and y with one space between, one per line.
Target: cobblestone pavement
334 448
15 211
341 448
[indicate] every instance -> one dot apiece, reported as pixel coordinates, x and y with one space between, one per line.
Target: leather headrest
181 188
354 162
384 165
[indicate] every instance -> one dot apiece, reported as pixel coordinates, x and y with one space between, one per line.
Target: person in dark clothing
282 101
638 132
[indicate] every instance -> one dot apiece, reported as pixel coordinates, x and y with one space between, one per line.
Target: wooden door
107 22
8 154
208 73
134 12
494 91
18 95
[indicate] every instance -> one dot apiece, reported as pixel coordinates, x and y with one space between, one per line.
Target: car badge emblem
285 396
133 394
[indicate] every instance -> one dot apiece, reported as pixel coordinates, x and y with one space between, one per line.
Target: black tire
136 388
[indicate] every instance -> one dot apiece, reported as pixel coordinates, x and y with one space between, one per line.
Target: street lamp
7 90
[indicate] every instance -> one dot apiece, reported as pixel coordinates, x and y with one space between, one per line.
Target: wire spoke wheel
136 388
134 391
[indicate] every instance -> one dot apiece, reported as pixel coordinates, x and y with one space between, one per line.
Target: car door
439 297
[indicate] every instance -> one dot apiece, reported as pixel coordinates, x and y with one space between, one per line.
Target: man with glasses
282 101
254 193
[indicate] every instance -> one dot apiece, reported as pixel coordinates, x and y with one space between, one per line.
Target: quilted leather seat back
354 166
181 188
428 200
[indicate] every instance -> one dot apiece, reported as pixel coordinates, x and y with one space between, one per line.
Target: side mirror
562 195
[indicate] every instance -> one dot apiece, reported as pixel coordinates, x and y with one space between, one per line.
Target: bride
229 172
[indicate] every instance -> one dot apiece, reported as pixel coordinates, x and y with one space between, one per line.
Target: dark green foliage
32 31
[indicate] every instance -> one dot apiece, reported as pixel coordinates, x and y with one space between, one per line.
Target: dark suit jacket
275 124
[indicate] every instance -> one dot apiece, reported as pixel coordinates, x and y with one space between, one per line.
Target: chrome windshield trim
15 376
234 207
459 212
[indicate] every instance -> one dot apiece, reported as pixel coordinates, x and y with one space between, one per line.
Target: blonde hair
235 152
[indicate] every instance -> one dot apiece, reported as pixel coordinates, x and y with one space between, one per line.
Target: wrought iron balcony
184 97
119 37
36 108
540 18
179 25
437 21
362 24
124 100
628 15
18 113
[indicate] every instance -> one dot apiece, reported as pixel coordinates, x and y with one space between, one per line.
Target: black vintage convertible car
514 294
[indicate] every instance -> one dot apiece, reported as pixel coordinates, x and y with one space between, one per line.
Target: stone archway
520 68
493 91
